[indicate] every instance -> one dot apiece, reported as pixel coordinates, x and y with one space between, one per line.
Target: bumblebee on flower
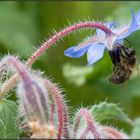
114 43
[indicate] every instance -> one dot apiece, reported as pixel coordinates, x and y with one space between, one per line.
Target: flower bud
34 101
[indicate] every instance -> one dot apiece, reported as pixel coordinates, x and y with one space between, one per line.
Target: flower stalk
90 125
112 133
17 65
61 109
95 25
65 31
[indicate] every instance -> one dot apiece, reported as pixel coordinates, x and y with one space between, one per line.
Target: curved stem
9 84
112 133
13 80
10 60
85 114
63 33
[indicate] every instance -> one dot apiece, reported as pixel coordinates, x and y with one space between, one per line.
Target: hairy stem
10 60
63 33
90 125
61 109
13 80
112 133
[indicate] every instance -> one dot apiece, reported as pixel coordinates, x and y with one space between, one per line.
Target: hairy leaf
8 127
108 111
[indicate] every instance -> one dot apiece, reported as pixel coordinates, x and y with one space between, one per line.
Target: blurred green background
25 25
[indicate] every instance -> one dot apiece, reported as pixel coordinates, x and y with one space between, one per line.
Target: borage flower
96 45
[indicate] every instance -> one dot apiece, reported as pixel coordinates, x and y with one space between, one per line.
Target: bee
124 61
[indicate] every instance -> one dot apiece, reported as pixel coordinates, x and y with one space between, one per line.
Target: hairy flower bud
34 101
32 95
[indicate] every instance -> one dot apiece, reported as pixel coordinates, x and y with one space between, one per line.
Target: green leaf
136 129
8 127
108 111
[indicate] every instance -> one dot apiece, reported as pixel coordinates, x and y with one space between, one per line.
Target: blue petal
95 52
108 24
75 52
133 27
138 16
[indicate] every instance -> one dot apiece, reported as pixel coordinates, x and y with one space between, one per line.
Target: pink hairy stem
85 114
61 109
10 60
95 25
13 80
112 133
62 33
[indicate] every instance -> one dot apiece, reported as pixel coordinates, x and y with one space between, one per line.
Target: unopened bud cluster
44 111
